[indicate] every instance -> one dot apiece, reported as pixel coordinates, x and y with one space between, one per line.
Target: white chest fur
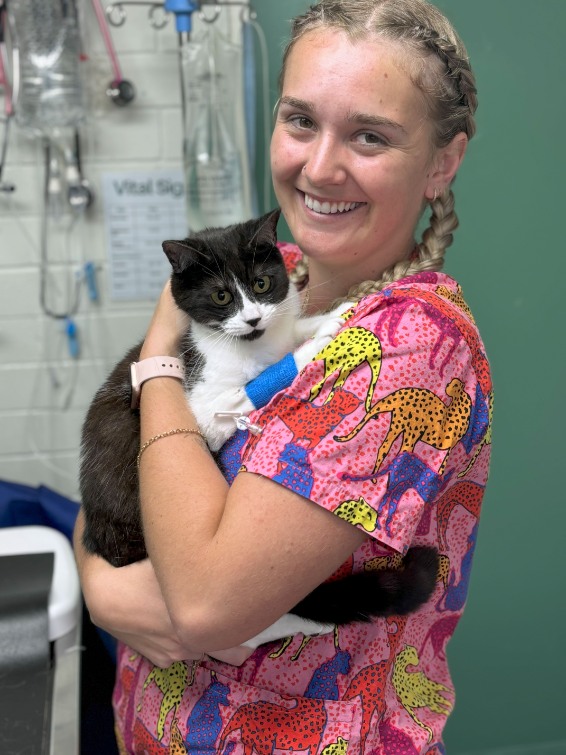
228 362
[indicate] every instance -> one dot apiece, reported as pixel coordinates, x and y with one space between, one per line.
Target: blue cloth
275 378
23 505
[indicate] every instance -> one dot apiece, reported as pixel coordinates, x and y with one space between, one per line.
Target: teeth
326 208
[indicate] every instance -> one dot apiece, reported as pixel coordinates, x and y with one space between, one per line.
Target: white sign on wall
142 209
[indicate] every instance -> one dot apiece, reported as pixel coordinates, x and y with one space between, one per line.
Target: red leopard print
308 422
266 726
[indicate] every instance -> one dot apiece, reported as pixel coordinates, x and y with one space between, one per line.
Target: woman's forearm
182 494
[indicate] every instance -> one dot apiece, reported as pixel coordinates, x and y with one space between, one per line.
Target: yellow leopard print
358 512
350 349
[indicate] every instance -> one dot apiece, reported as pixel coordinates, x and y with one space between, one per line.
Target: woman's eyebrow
374 120
307 107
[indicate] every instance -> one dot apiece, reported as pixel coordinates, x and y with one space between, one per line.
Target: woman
375 113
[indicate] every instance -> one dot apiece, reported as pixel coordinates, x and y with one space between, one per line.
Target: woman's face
351 153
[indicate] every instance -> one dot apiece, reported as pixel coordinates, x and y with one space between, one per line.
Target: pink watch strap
151 368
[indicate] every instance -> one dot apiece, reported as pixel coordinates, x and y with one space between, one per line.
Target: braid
428 255
461 78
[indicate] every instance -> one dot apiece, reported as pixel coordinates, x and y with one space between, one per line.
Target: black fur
201 265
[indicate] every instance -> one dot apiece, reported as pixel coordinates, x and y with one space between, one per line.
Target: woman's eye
262 285
301 121
369 139
221 297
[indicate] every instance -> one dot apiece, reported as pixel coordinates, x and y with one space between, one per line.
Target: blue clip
72 338
90 278
182 10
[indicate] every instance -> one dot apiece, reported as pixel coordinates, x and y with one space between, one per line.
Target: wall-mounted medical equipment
48 92
218 96
120 90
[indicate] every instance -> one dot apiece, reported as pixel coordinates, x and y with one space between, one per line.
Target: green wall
508 656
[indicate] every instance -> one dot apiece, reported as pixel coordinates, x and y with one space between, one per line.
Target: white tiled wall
44 392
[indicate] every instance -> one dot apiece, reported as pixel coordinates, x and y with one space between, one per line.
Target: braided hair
437 63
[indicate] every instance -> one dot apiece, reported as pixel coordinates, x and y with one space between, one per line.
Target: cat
244 315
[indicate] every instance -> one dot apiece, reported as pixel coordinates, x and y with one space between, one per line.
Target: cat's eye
221 297
262 285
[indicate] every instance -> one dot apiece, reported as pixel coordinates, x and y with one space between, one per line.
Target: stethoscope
120 90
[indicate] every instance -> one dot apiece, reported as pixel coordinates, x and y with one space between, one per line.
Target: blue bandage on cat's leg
273 379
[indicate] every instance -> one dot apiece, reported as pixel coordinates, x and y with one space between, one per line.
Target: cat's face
230 279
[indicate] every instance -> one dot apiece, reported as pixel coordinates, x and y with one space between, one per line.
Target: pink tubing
105 31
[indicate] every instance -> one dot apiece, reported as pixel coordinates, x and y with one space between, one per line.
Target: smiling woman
354 133
376 110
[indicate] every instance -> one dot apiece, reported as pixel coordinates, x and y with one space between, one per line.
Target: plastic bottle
46 34
216 163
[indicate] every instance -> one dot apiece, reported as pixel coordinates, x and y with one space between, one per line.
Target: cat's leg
286 626
283 629
319 330
325 325
217 418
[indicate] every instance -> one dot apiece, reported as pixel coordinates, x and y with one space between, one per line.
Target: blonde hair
437 63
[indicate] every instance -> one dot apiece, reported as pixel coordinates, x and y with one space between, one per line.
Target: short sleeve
373 428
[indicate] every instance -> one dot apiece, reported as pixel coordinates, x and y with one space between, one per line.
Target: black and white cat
244 316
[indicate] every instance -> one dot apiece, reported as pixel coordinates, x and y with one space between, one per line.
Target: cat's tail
372 594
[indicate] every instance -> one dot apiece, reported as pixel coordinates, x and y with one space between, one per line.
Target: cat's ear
267 228
180 255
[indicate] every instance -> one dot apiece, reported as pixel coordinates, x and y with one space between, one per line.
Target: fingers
158 651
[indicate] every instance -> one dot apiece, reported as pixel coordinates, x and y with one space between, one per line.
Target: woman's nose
325 162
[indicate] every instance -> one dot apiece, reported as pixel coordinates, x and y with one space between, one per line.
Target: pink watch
151 368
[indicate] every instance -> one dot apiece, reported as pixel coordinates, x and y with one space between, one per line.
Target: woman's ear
445 165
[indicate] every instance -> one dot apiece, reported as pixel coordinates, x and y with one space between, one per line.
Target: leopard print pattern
358 512
418 414
172 682
346 352
456 298
264 726
340 747
415 690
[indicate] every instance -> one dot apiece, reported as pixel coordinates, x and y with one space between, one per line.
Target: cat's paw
328 327
223 412
335 319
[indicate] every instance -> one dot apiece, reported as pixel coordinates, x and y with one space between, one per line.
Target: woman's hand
166 328
128 604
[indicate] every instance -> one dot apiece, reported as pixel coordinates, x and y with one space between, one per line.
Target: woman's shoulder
438 290
426 295
425 312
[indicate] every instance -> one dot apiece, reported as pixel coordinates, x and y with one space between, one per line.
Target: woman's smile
329 207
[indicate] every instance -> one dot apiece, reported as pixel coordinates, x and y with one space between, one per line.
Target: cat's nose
253 322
